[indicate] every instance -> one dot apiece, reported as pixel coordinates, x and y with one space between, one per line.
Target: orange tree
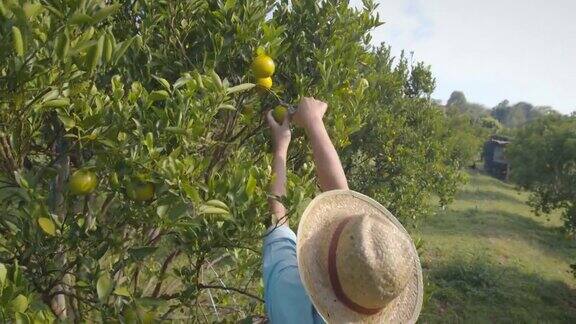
543 159
406 152
133 151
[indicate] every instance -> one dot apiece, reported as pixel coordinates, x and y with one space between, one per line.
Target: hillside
487 258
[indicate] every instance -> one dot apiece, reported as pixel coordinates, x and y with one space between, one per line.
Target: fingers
286 121
270 119
274 124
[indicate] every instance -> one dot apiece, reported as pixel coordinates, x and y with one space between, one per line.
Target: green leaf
250 185
55 11
21 318
104 287
216 79
217 203
120 49
81 284
107 142
149 141
17 41
158 95
240 88
162 210
207 209
94 54
68 122
150 302
191 192
163 82
32 10
117 86
229 4
19 303
182 81
56 103
177 211
22 182
61 47
177 130
3 274
227 107
105 12
53 94
47 225
86 35
122 291
80 18
142 252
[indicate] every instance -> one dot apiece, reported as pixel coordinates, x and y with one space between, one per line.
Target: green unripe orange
279 113
83 182
263 66
140 191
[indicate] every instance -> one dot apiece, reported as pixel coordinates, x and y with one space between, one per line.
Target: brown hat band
333 273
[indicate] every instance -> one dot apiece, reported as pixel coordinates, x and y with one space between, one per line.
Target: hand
280 132
310 113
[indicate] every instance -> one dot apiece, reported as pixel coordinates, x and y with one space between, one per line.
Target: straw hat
357 262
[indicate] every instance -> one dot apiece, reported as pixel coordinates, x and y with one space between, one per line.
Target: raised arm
280 141
328 166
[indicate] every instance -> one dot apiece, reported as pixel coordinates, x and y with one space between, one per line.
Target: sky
520 50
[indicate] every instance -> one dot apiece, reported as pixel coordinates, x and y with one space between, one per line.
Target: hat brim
315 221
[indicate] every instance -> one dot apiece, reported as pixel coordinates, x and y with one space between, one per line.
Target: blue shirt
285 296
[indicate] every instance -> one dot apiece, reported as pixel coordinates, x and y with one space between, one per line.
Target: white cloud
521 50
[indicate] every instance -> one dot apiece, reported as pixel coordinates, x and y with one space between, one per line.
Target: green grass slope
488 259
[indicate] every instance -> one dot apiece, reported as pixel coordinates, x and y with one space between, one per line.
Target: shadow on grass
482 178
477 290
500 224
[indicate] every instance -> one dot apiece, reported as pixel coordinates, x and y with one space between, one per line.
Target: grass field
488 259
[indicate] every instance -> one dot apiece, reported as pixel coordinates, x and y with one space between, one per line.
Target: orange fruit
263 66
279 113
140 191
82 182
264 83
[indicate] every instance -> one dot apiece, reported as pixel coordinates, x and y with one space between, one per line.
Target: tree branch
106 204
240 291
165 265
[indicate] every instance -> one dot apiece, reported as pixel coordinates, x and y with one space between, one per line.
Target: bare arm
330 173
281 139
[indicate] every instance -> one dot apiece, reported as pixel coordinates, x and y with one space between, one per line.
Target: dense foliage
155 99
543 160
407 151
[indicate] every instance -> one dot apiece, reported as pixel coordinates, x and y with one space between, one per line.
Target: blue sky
520 50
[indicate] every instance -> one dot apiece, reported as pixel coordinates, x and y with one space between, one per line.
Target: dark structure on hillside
495 162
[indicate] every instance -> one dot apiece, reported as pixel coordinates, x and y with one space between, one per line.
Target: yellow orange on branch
263 66
264 84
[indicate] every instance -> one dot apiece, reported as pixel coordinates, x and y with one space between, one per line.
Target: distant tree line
507 115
